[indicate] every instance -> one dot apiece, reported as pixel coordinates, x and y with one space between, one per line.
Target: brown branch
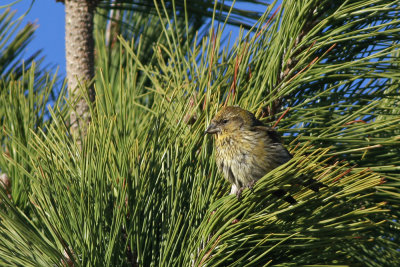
210 251
283 115
238 61
268 22
343 174
351 122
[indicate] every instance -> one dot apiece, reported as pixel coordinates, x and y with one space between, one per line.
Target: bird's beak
212 129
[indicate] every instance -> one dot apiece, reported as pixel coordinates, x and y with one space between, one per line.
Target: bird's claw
239 192
251 184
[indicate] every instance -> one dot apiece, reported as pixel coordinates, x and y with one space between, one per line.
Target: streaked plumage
245 148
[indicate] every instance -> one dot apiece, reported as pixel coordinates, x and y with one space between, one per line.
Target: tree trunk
79 44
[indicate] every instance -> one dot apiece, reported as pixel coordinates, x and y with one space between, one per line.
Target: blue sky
49 16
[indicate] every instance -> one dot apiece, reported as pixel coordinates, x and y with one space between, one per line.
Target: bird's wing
275 139
270 132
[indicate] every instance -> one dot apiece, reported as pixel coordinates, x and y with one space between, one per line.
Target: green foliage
144 190
23 112
13 41
25 90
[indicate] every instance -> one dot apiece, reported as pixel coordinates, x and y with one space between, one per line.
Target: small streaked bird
246 149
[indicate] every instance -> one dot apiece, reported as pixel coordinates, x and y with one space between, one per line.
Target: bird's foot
251 184
239 192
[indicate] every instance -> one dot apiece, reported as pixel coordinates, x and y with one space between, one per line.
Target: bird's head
231 119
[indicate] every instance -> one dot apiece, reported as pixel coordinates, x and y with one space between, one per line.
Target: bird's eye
225 121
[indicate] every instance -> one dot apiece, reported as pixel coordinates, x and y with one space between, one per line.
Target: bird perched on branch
246 149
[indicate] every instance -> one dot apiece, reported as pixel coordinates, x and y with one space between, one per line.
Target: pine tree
144 190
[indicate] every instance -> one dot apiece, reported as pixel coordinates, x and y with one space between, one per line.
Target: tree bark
79 44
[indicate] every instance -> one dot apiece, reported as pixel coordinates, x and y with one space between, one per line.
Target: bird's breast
240 158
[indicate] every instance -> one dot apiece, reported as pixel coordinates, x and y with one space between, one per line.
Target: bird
246 149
